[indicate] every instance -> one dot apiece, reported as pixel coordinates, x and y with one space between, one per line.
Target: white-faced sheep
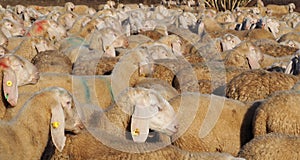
11 28
48 29
279 113
17 71
107 39
27 134
31 46
279 10
272 146
244 55
258 84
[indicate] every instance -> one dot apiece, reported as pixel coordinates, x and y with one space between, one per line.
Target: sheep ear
10 86
109 51
140 121
252 60
139 129
58 127
176 47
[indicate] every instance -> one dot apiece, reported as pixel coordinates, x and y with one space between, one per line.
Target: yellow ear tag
9 83
55 124
136 132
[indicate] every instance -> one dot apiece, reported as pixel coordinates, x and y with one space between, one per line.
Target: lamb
27 134
52 61
258 84
278 114
272 146
210 117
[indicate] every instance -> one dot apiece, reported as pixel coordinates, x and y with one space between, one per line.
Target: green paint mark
86 91
6 96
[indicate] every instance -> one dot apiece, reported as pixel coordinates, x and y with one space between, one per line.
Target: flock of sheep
168 81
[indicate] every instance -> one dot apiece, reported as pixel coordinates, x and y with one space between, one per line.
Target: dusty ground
95 3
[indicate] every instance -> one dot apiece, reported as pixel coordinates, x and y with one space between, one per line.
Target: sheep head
151 111
17 71
107 39
254 56
63 117
12 28
229 41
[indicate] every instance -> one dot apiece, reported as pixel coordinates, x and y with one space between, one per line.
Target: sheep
272 146
107 39
229 41
80 22
134 66
52 61
67 20
289 36
269 47
278 10
210 117
86 146
17 71
31 46
26 135
258 84
279 114
11 28
72 46
89 89
49 29
244 55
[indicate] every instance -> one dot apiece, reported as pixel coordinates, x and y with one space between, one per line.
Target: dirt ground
95 3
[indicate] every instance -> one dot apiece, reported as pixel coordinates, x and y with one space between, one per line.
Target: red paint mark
28 34
3 65
40 25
